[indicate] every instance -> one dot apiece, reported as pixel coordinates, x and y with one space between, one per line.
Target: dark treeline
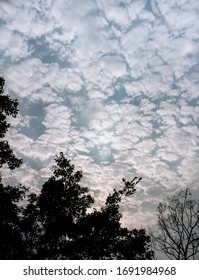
55 223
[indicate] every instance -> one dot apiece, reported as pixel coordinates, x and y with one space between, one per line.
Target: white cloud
135 9
118 15
113 66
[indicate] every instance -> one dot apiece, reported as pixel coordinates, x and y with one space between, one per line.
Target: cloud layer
114 85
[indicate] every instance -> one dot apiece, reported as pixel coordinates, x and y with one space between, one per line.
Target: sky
112 84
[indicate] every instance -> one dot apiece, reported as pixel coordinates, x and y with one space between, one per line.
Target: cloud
112 84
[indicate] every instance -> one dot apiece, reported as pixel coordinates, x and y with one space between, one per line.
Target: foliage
101 235
8 107
55 224
11 243
10 236
178 223
62 203
67 231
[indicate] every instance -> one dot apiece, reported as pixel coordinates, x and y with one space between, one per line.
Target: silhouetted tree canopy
59 222
10 236
101 236
62 228
11 242
8 107
62 203
55 223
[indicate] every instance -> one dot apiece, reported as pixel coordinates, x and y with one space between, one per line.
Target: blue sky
112 84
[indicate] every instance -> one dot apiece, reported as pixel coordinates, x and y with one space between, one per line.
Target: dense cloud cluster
112 84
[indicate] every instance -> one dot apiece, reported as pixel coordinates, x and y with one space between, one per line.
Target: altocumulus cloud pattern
114 85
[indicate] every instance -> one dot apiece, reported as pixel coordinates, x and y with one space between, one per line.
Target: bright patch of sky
112 84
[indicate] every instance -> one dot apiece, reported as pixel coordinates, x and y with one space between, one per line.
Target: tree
31 227
56 224
10 236
61 203
11 242
8 107
100 234
178 227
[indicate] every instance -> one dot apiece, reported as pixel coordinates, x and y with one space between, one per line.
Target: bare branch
178 225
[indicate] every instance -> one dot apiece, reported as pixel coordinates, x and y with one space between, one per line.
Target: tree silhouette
31 227
10 236
56 224
178 223
96 232
50 217
11 242
8 107
101 235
